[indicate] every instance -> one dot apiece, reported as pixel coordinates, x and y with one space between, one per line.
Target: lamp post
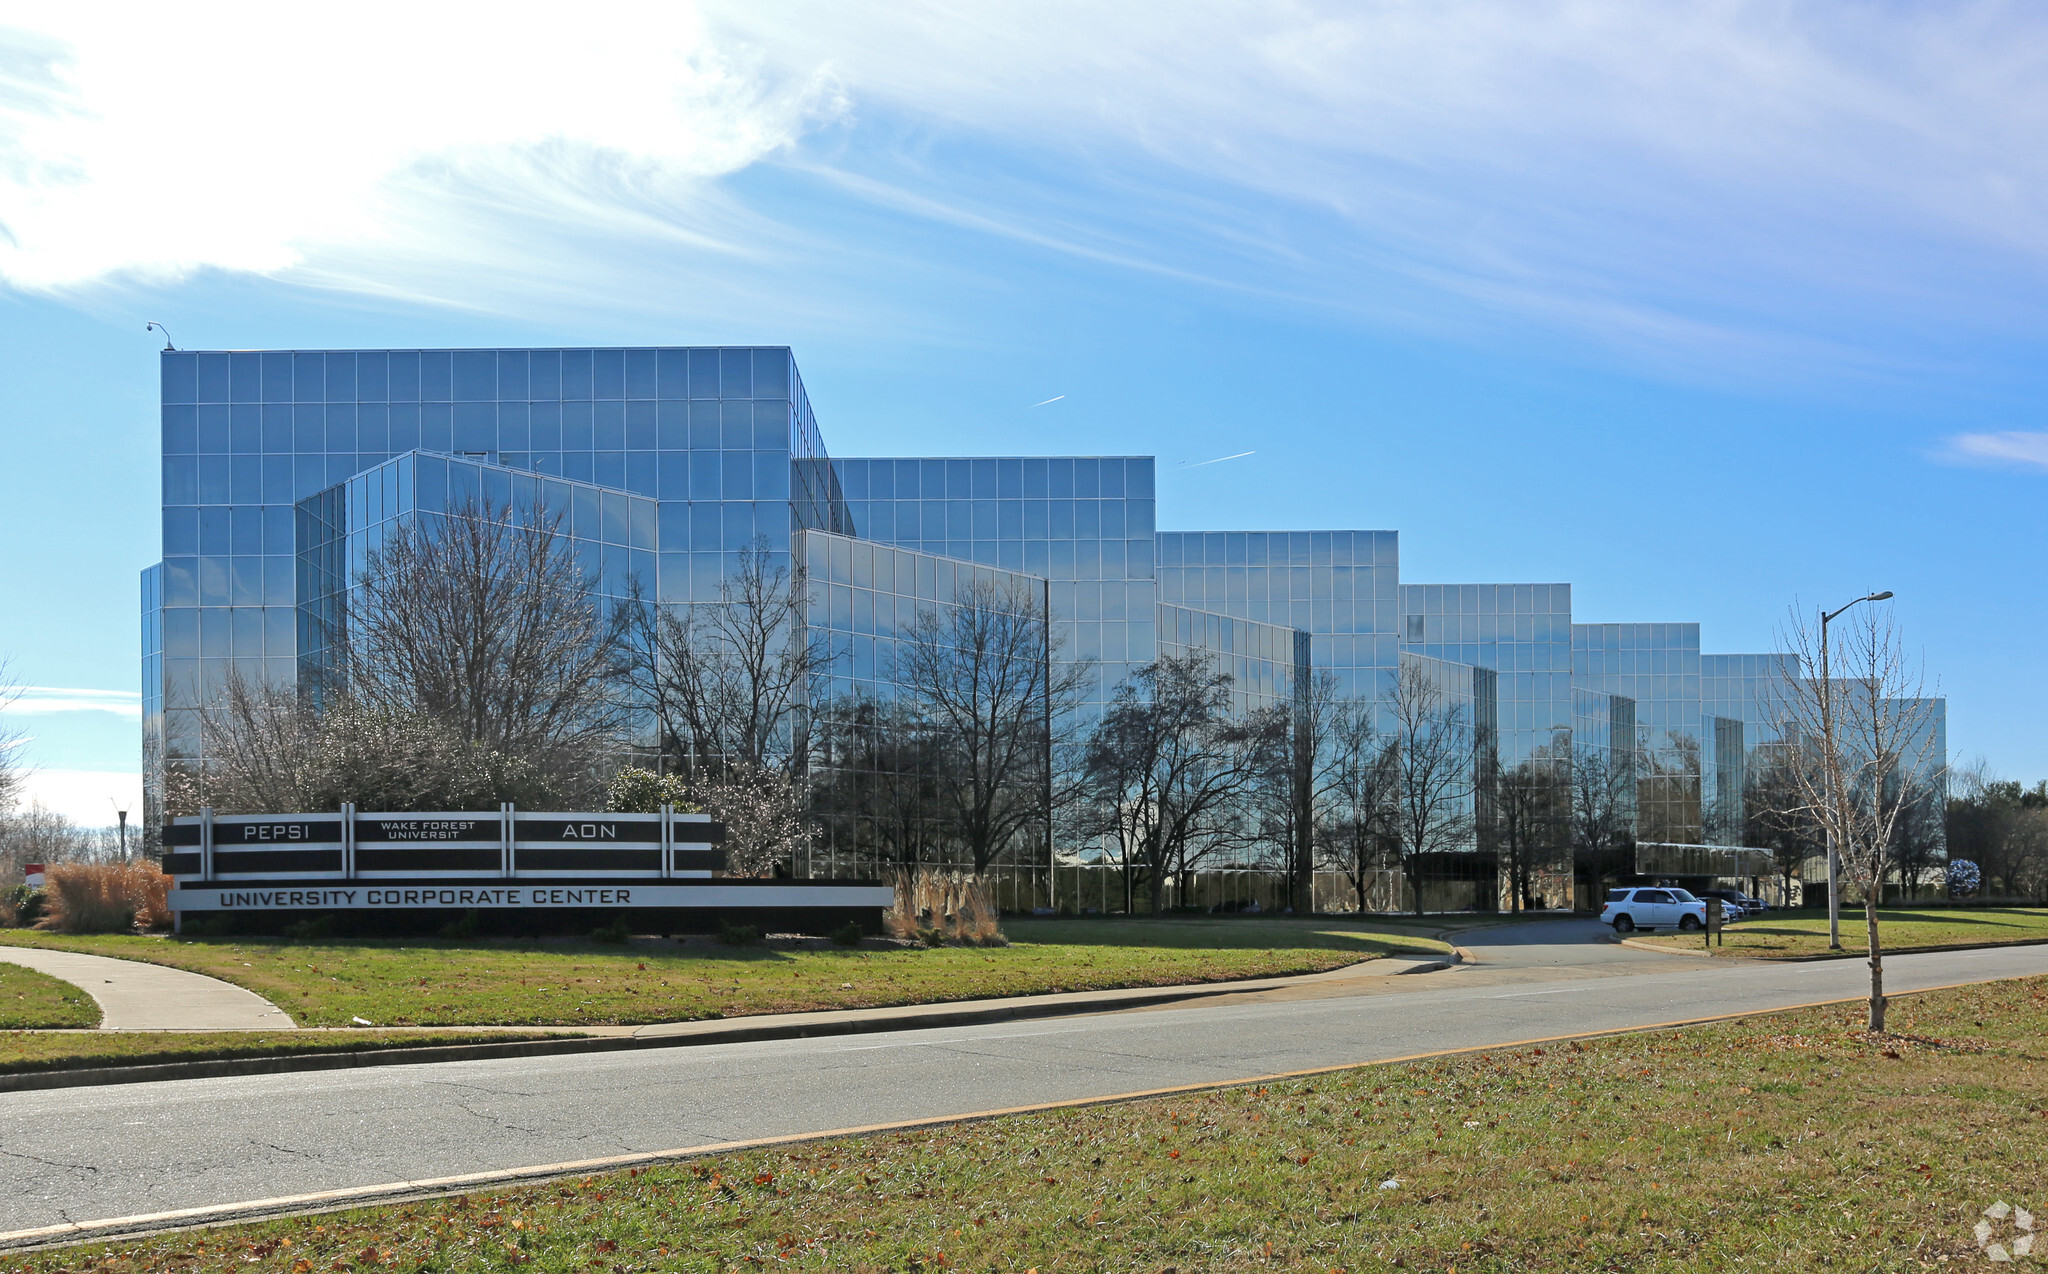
1827 730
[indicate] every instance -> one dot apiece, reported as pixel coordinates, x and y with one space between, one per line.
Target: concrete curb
1841 955
737 1031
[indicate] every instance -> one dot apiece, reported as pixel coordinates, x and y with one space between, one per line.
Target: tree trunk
1876 962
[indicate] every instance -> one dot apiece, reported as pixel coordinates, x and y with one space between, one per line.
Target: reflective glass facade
1340 587
279 468
1085 524
339 530
1267 662
1657 666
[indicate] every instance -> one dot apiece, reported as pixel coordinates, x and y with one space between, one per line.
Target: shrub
105 898
21 907
467 925
739 935
634 790
616 931
849 934
955 906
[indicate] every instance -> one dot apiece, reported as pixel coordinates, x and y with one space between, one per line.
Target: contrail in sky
1218 460
1055 398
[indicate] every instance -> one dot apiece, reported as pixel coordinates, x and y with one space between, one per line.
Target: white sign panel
373 896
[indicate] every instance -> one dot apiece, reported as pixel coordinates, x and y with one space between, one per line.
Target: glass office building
282 468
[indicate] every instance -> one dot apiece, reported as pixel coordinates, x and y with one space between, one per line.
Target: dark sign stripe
184 864
699 833
699 859
183 835
588 859
428 859
276 860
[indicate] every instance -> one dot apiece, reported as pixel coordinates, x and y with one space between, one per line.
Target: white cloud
38 699
2010 449
1740 180
87 797
157 140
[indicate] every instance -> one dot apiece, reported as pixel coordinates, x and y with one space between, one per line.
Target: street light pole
1827 730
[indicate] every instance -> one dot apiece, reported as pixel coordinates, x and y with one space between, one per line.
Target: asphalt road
84 1154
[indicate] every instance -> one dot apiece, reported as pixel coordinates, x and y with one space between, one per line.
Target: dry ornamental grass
105 898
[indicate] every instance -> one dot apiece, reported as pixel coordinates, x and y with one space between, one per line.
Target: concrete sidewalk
134 996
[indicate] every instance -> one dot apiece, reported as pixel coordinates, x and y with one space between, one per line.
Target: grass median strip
424 982
1791 1140
27 1051
1783 934
30 1001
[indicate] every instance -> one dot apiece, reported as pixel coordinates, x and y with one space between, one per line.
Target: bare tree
274 749
1170 769
2001 826
13 772
1356 834
1871 742
985 679
35 833
1433 778
484 621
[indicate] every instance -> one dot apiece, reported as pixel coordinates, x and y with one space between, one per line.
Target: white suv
1659 908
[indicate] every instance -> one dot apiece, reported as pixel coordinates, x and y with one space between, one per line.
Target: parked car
1735 905
1661 907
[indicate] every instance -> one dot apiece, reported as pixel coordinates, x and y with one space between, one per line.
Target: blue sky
1706 309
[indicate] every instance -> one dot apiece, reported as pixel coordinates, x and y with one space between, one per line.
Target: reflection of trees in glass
1668 790
986 684
1775 816
875 784
1432 739
1531 817
726 684
1601 810
1170 774
1355 825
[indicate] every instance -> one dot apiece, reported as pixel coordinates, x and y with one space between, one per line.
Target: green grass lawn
70 1050
30 1000
1785 1142
1779 934
428 982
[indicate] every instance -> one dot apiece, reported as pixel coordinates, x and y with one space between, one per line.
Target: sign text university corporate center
281 467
